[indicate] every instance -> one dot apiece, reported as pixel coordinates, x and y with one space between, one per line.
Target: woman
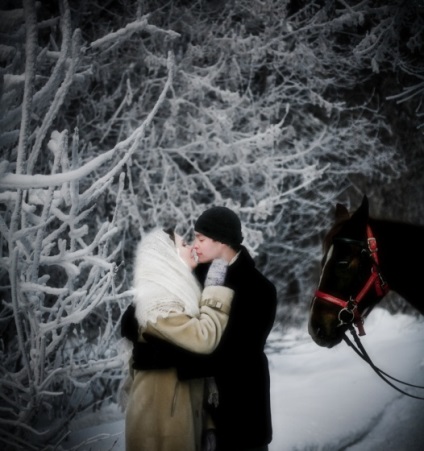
164 413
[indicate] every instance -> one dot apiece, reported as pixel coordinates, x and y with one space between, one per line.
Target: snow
323 399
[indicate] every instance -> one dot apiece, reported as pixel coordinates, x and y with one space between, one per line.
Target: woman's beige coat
163 413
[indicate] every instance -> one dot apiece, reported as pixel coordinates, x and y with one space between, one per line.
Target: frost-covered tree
371 55
119 116
62 273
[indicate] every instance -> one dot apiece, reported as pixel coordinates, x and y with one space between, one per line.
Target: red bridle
375 279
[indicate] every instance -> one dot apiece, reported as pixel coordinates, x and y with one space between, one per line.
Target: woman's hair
171 232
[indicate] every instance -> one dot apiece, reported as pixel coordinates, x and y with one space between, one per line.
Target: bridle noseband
349 313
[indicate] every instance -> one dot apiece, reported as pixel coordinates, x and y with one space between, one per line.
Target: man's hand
216 272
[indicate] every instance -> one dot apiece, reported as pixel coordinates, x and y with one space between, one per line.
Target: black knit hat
220 224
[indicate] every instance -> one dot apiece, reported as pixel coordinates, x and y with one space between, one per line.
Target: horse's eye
342 264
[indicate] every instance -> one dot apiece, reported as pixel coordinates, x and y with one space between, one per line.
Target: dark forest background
119 116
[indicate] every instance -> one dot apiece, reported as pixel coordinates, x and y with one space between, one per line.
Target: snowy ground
324 399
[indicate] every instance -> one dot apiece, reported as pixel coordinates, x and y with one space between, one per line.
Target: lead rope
360 350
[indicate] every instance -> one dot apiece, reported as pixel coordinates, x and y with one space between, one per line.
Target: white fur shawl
163 283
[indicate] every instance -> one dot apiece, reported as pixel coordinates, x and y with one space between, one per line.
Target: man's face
206 248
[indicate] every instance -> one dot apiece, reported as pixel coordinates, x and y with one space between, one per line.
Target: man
239 365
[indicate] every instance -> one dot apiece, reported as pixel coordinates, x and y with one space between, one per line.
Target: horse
364 258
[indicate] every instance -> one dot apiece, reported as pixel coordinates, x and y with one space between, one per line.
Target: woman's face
186 252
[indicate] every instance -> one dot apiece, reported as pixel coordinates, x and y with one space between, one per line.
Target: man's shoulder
266 282
250 274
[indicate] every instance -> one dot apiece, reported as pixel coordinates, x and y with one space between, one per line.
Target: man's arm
159 354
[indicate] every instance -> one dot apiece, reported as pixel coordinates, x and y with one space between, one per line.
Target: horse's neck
400 252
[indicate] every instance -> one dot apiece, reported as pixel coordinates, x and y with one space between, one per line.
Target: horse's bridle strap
371 280
330 298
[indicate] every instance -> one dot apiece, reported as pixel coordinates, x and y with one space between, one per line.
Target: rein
349 313
360 350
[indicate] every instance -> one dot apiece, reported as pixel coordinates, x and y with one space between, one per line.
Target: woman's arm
202 334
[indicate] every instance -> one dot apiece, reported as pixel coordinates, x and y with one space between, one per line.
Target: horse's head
350 283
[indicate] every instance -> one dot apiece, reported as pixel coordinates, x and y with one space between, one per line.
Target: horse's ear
363 211
341 212
364 206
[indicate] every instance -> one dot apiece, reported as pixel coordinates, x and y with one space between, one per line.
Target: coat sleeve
201 334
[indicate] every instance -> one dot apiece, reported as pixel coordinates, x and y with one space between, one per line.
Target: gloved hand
216 273
209 440
129 324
